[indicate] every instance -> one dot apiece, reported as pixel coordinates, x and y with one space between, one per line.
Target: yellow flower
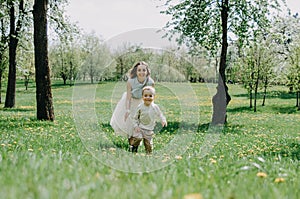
261 174
279 180
97 175
178 157
193 196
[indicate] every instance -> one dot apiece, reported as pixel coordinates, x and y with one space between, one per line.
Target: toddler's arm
161 116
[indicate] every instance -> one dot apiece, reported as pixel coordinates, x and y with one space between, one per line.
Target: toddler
144 121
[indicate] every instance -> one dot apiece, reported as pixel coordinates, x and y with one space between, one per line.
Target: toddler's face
141 71
148 97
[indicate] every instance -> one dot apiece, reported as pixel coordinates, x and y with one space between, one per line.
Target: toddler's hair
150 88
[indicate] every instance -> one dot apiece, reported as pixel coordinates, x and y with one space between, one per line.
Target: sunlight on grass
255 155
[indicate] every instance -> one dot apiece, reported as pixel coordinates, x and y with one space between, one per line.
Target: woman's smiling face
141 71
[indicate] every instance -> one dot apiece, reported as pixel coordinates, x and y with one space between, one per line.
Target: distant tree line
262 55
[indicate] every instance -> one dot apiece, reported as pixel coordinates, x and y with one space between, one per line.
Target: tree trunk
0 86
44 101
297 100
255 97
265 91
2 51
256 86
13 42
221 99
251 97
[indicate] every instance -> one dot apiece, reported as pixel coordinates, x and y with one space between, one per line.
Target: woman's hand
126 115
137 129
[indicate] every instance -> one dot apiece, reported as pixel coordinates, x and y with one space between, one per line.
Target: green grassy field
256 155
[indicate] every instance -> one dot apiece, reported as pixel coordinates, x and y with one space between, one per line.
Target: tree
13 43
63 61
294 72
3 47
44 101
126 56
198 23
63 53
288 31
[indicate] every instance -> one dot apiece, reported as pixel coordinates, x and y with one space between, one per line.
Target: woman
121 120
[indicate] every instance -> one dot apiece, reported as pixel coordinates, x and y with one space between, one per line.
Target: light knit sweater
146 116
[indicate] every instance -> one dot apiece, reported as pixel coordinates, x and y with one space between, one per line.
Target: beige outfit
145 118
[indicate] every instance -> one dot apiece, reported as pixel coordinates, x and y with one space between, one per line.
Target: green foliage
126 56
198 22
256 155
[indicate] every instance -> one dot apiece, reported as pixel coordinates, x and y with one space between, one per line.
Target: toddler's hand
164 124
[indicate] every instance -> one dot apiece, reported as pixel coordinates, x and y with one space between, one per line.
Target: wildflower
97 175
112 149
193 196
261 174
279 180
178 157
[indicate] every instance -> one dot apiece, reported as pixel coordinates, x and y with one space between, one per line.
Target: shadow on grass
288 110
172 129
79 83
239 109
13 110
121 142
23 122
60 85
290 150
271 94
266 109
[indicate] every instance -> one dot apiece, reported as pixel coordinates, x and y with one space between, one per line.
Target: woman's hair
134 69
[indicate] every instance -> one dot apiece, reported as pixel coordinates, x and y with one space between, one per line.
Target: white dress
117 121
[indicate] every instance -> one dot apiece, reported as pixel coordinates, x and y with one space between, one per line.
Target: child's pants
145 135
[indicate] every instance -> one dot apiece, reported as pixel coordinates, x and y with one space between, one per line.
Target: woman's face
141 71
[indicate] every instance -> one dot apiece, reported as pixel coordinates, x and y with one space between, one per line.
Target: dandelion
97 175
279 180
213 161
261 175
178 157
193 196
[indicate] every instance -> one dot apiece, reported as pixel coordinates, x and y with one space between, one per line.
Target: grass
256 155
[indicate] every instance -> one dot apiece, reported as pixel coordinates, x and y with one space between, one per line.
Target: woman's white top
137 87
